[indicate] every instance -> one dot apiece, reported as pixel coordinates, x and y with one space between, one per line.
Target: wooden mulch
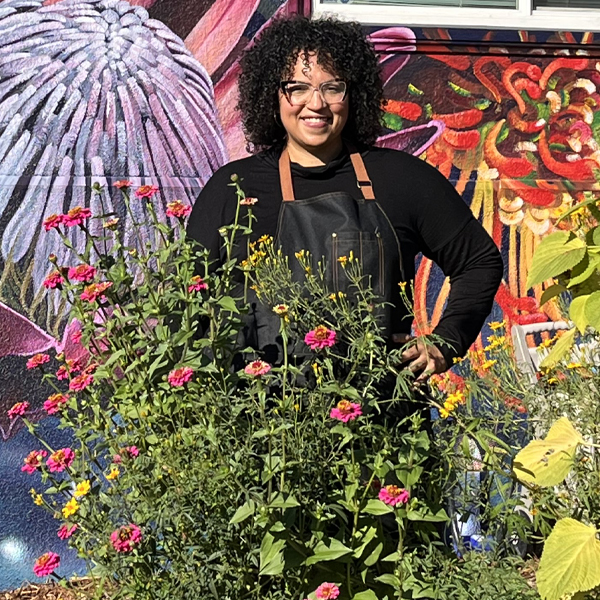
76 589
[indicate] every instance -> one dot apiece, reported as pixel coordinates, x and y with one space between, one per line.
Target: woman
311 102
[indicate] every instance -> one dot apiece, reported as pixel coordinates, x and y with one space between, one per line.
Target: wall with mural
99 90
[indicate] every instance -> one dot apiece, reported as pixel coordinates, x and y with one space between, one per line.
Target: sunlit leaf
559 350
556 254
577 312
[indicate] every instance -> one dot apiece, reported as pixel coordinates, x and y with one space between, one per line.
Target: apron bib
330 226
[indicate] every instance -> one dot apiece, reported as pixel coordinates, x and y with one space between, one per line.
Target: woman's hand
421 358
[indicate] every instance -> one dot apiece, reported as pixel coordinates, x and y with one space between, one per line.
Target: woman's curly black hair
341 49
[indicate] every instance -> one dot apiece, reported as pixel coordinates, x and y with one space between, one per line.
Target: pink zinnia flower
76 336
346 411
126 538
123 183
33 461
46 564
37 360
320 337
257 368
60 460
197 284
179 377
248 201
72 366
131 451
79 383
178 209
93 291
76 216
83 273
393 495
54 280
53 222
327 591
146 191
18 410
65 532
54 403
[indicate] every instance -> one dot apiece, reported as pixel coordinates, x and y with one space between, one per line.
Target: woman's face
315 125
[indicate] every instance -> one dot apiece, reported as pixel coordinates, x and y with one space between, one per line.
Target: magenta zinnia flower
54 280
83 273
37 360
54 403
76 216
327 591
33 461
248 201
79 383
346 411
66 531
46 564
131 451
393 495
197 284
60 460
126 538
123 183
178 209
146 191
18 410
53 221
93 291
257 368
320 337
179 377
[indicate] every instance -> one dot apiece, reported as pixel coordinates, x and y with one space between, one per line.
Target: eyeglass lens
302 93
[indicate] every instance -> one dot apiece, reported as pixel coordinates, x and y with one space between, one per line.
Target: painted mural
93 91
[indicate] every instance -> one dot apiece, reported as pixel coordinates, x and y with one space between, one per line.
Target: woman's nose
317 103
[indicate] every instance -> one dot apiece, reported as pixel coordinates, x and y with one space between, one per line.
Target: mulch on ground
78 589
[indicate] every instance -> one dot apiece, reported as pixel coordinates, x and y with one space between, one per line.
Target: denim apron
330 226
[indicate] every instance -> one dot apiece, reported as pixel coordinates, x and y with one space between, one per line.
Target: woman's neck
314 157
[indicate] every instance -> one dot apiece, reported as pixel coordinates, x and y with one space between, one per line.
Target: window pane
593 4
460 3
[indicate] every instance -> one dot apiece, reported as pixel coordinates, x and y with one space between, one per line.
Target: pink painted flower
94 291
327 591
79 383
76 216
33 461
123 183
346 411
126 538
54 280
248 201
53 222
37 360
179 377
66 531
197 284
60 460
76 336
178 209
131 451
55 403
320 337
393 495
257 368
83 273
18 410
146 191
46 564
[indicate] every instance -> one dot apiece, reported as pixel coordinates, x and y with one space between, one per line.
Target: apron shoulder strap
362 177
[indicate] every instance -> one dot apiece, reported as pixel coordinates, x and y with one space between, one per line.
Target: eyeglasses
299 93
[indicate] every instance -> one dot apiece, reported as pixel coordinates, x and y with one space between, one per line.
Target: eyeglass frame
282 85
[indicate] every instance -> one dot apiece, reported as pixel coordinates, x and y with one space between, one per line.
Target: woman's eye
297 89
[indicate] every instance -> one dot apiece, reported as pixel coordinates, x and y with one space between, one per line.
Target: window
563 15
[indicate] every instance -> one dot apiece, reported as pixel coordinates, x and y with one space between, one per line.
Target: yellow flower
343 260
495 341
300 255
38 499
265 239
552 380
494 325
444 413
402 285
82 489
457 360
456 398
296 407
488 364
574 365
70 508
333 297
114 473
547 343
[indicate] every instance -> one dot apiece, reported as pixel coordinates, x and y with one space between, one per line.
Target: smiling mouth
317 119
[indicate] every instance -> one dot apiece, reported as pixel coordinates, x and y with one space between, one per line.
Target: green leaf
577 312
547 462
570 561
324 552
228 303
374 556
584 270
555 254
280 501
366 595
377 507
552 292
271 555
243 512
393 557
366 537
389 579
592 310
559 350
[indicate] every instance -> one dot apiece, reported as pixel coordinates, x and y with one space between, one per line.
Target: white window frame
521 18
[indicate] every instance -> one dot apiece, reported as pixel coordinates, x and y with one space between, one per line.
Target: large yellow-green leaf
555 254
559 350
577 312
570 561
592 310
547 462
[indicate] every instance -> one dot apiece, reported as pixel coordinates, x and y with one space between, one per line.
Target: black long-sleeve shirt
429 216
